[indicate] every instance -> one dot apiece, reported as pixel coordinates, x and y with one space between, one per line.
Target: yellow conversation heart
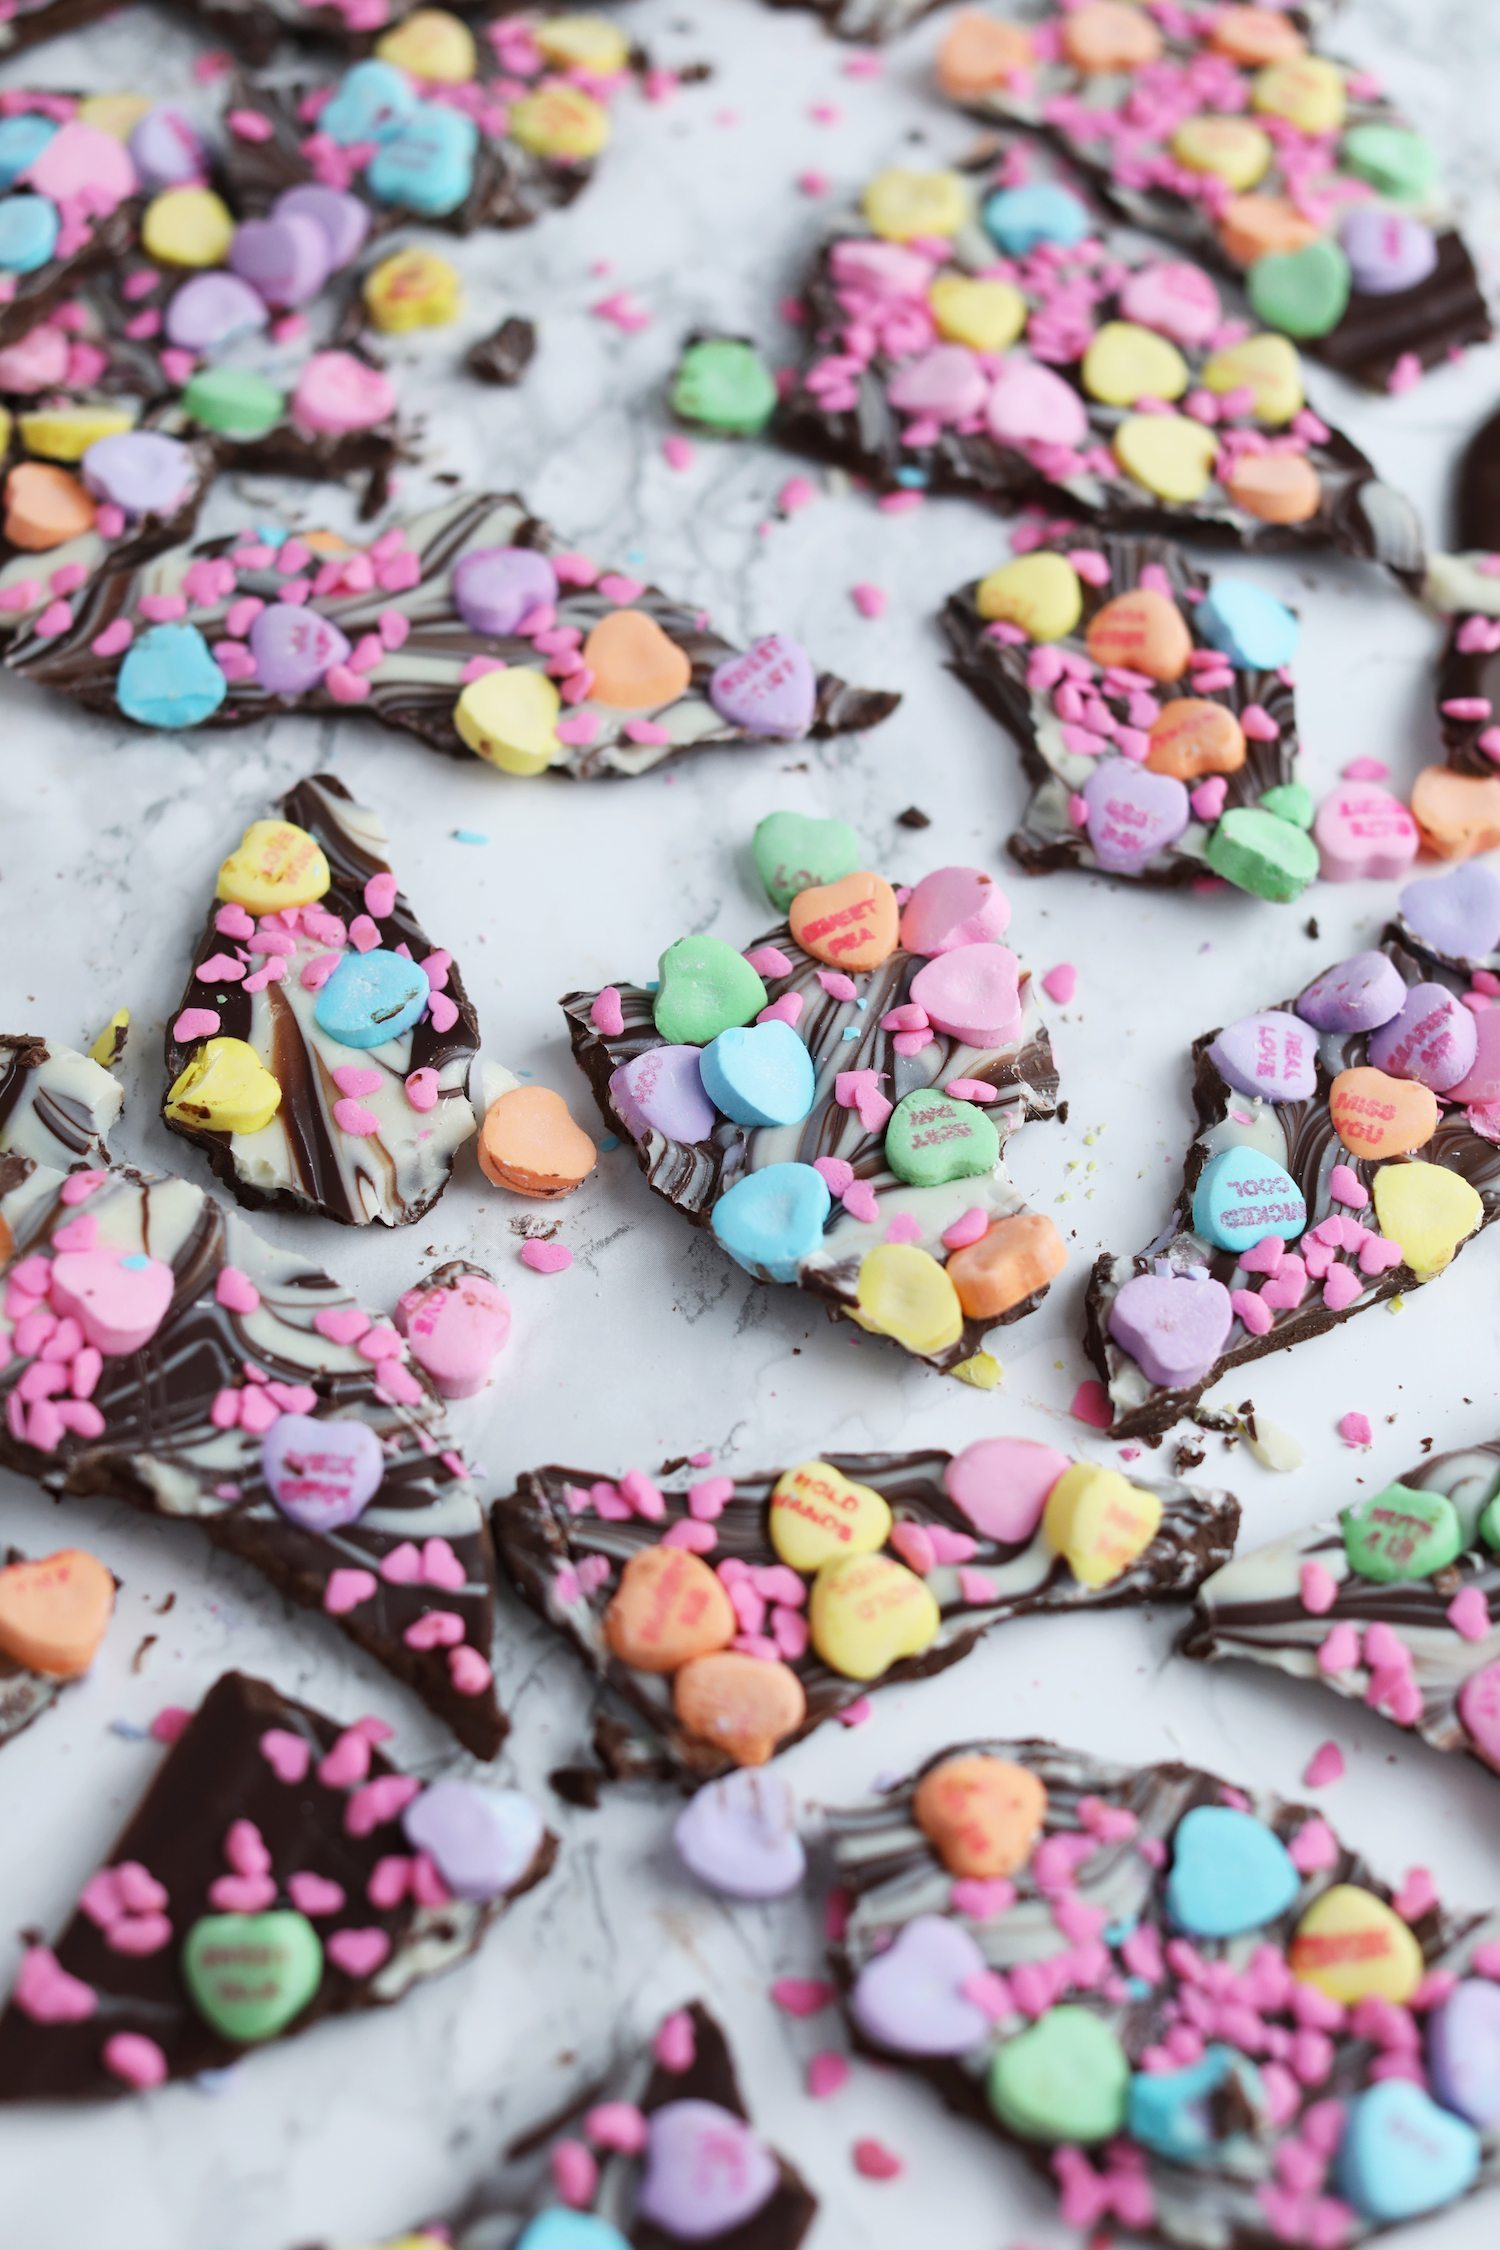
510 718
901 205
187 226
1042 594
412 289
226 1088
1124 363
275 864
1099 1522
115 114
1307 90
1428 1211
433 45
1353 1946
561 122
903 1292
1270 366
817 1514
590 43
1167 453
1231 148
867 1612
65 433
988 316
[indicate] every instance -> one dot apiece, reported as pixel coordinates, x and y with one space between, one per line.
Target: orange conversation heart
529 1143
851 924
669 1607
44 507
1013 1260
1276 487
982 1814
1141 631
1191 736
635 666
980 54
1255 226
1377 1116
1253 36
1109 35
1457 813
54 1613
746 1706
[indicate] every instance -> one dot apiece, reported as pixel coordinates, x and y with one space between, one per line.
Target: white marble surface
652 1344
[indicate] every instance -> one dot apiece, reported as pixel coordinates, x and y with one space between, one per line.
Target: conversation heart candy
704 987
187 226
1307 90
430 44
903 206
1243 1195
54 1612
912 1999
1231 149
793 852
981 53
953 906
1191 737
224 1087
635 666
557 2229
902 1291
1457 814
168 678
1015 1258
1268 366
1173 1326
1099 1523
1388 251
1354 1947
1463 2051
118 1302
412 289
771 691
22 140
371 998
931 1138
44 507
987 316
817 1514
344 220
427 164
370 103
294 649
770 1220
745 1706
723 384
1362 831
1065 2079
868 1612
235 401
850 924
1032 405
972 992
83 161
530 1143
493 588
28 233
1168 454
668 1608
945 384
981 1814
1020 219
1402 2155
560 122
65 433
1230 1873
739 1836
1175 298
510 719
1132 814
1304 291
274 865
1479 1709
705 2173
1042 594
35 362
1457 914
661 1091
589 44
1253 36
1401 1534
1254 630
482 1841
1275 487
323 1474
1391 158
1360 994
759 1074
337 392
1269 1055
1377 1116
1434 1039
455 1329
1426 1210
1001 1486
285 260
1175 2113
140 472
211 308
1125 363
1105 36
1481 1081
250 1975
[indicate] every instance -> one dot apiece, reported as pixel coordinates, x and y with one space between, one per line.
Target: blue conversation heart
373 101
1402 2155
1230 1873
169 678
1255 631
761 1075
22 140
1172 2112
571 2230
28 233
372 997
1020 218
771 1220
428 166
1242 1196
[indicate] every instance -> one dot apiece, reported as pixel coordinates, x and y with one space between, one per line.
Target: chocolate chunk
503 357
872 21
258 1843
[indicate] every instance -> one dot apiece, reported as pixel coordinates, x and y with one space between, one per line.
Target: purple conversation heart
739 1836
1173 1325
1434 1039
705 2172
294 648
1359 994
1132 814
210 308
1457 914
771 690
322 1474
1388 251
662 1092
911 1998
143 472
167 148
342 217
1481 1081
286 260
481 1841
1272 1055
494 588
1463 2051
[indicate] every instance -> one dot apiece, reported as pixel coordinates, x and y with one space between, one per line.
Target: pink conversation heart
322 1474
118 1302
911 2000
705 2173
1001 1485
1132 814
337 392
83 165
947 383
1363 832
886 269
1173 1326
771 690
972 994
1174 298
1435 1039
953 906
1029 405
1479 1708
455 1330
1481 1081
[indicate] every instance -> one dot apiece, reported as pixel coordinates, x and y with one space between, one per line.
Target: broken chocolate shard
503 357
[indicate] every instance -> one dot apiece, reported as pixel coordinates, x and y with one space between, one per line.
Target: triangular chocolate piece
279 1870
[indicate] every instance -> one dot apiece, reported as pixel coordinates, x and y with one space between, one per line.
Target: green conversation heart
248 1975
233 400
932 1138
792 851
723 384
706 987
1290 800
1066 2079
1302 292
1401 1533
1489 1526
1258 851
1392 159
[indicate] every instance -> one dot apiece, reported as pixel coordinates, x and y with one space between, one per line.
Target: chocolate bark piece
195 1358
873 21
264 1815
1476 492
565 1554
874 343
394 602
696 1177
1401 312
375 1155
255 28
1457 804
1026 688
503 356
89 239
1212 2169
31 22
1337 1237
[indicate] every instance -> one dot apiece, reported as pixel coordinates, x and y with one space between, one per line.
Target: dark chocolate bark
565 1556
101 238
32 22
244 1773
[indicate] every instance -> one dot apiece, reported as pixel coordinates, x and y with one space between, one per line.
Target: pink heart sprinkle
359 1953
1469 1614
314 1895
346 1589
287 1755
341 1324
